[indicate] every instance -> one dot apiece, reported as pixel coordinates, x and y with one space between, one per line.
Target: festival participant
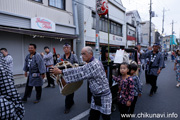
48 60
140 60
8 58
11 107
126 90
137 86
59 58
173 55
146 66
34 64
165 55
154 66
68 56
177 68
94 72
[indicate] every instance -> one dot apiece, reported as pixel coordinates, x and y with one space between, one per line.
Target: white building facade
42 22
166 43
87 24
133 30
145 33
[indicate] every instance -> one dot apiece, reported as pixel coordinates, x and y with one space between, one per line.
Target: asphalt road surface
164 105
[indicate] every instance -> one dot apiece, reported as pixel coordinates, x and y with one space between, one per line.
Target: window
114 27
38 1
118 30
94 22
100 25
141 38
103 25
106 26
57 3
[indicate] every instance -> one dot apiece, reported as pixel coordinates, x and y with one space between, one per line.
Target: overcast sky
172 8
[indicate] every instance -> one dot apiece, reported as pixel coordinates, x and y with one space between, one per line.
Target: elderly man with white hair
94 72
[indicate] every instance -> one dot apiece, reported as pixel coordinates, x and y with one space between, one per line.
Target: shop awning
37 33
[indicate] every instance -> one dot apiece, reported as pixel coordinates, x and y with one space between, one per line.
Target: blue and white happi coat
9 61
36 68
11 107
137 85
155 62
98 83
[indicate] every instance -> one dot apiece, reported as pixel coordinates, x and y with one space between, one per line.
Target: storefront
17 32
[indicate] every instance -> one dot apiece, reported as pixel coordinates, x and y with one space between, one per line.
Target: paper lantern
102 7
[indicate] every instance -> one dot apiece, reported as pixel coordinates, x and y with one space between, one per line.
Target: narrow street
165 101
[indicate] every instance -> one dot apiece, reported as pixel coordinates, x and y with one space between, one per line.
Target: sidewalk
20 81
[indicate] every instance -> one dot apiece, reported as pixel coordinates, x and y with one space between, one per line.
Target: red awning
130 38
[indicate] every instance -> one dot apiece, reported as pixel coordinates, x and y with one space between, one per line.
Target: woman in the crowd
177 68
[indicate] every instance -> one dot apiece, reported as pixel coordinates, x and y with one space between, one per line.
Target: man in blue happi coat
154 66
35 70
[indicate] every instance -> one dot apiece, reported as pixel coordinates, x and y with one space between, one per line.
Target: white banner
119 56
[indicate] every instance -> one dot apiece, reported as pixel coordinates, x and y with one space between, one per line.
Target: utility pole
97 35
163 24
171 40
162 27
163 21
150 14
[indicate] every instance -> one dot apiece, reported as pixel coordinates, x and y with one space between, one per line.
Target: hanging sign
42 24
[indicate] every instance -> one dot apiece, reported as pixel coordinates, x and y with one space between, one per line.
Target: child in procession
137 86
126 90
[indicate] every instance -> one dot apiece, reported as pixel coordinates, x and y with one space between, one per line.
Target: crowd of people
37 66
130 85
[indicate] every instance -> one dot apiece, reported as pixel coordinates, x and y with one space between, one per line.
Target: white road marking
82 115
